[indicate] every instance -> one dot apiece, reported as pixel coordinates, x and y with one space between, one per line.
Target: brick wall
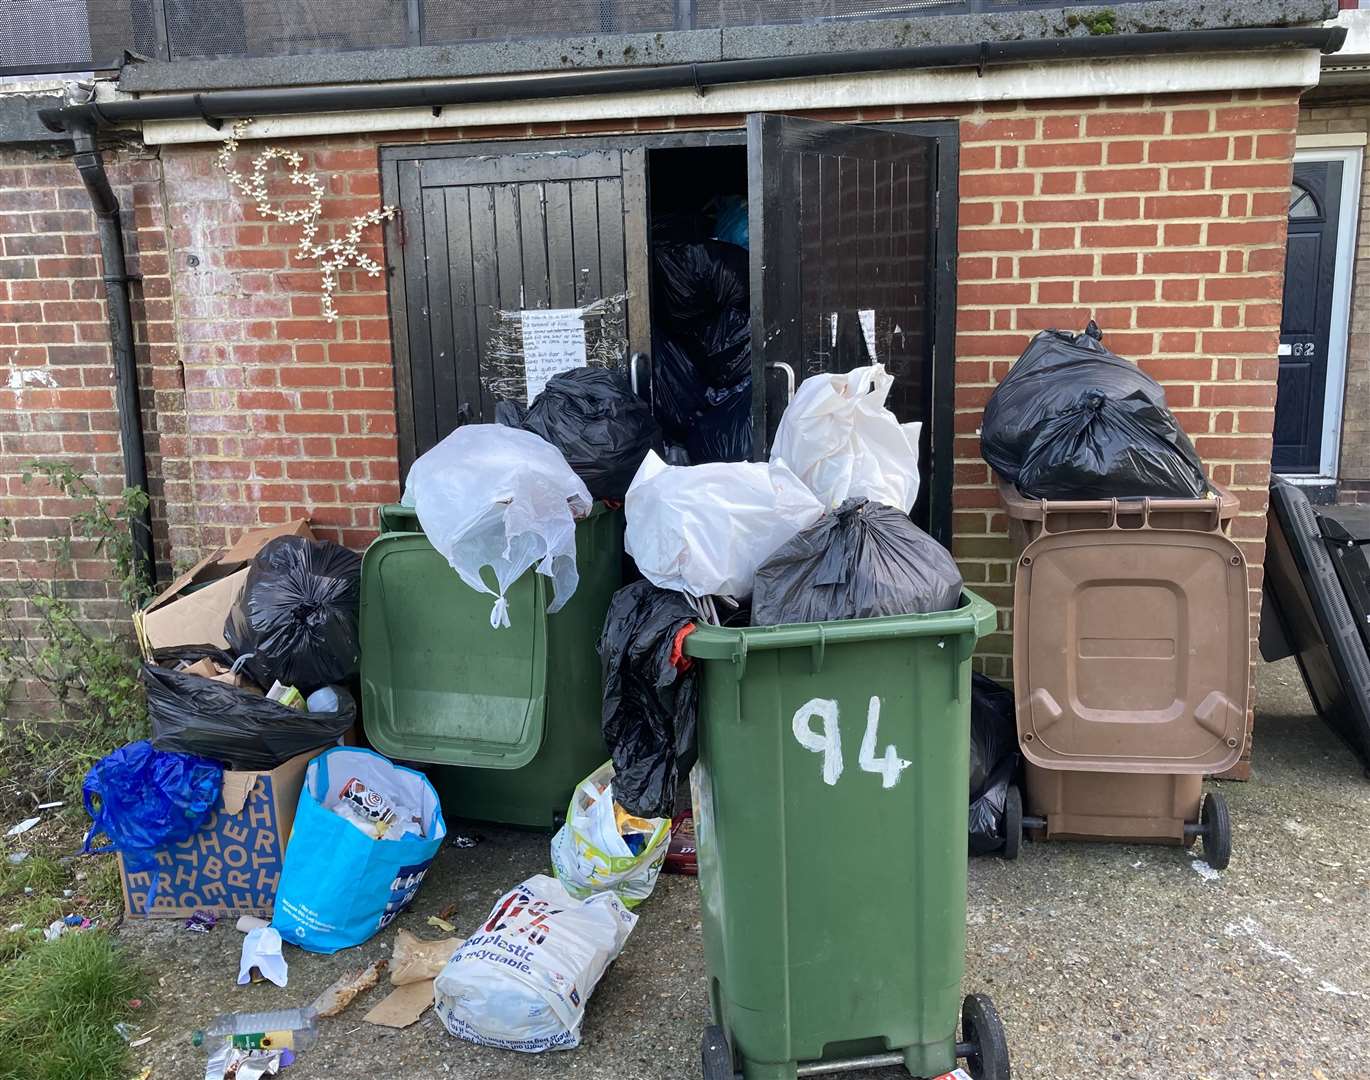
1354 465
1161 218
56 373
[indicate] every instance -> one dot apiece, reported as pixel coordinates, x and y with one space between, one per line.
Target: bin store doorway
849 234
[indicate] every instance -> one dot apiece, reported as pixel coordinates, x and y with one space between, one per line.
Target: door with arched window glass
1306 327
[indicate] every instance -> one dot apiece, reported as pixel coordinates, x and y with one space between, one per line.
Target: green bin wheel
1013 822
982 1029
716 1054
1217 831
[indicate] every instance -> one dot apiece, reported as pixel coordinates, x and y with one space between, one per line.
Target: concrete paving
1106 961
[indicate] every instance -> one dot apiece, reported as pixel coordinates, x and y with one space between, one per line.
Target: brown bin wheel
983 1031
1013 822
1217 831
716 1055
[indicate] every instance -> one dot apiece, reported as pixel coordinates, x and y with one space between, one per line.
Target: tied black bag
1071 420
601 427
651 700
994 761
296 617
863 561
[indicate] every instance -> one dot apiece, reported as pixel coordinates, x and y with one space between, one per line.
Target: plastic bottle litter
324 699
282 1029
375 813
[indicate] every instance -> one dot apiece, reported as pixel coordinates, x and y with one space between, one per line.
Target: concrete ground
1106 961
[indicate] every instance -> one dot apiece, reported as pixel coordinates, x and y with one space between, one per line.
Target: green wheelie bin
830 808
507 721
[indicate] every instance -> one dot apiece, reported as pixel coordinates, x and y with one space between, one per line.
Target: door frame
1338 340
948 145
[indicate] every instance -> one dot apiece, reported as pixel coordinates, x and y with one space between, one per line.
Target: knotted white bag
704 529
838 437
496 496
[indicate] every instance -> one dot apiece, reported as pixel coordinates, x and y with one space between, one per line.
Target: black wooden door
1306 324
501 229
843 223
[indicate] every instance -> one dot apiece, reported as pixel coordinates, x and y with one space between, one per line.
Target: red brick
1123 180
1056 265
1128 236
1060 183
1275 146
1036 155
1190 121
1210 149
1183 206
1243 288
1126 153
1175 315
1130 289
1125 123
1248 233
1113 264
1000 130
988 184
1180 289
1061 210
1267 118
996 240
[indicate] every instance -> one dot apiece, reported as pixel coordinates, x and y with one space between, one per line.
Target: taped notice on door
553 342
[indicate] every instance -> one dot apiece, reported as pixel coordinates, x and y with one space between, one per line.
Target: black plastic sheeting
297 614
651 702
240 729
863 561
602 428
701 348
1071 420
994 761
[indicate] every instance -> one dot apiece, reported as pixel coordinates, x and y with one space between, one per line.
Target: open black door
843 226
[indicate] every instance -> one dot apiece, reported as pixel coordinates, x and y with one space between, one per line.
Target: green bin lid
439 684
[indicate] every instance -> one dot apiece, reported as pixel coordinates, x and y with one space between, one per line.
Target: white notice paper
867 318
553 342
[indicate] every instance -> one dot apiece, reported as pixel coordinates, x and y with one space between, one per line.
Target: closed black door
1306 324
843 221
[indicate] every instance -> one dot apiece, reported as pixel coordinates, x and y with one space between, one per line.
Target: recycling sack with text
522 980
340 884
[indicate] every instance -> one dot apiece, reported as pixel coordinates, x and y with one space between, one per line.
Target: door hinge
399 225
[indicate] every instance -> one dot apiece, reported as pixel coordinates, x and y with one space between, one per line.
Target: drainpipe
103 201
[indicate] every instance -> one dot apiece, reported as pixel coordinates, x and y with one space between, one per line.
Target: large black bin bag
1071 420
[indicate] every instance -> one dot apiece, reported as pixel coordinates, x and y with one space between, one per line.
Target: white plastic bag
496 496
522 980
704 529
839 438
590 855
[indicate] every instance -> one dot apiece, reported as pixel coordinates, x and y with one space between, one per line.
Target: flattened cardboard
176 617
233 865
403 1005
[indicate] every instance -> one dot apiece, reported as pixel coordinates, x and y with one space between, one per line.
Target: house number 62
828 741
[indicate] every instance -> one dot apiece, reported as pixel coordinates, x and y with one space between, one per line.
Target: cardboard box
233 865
193 610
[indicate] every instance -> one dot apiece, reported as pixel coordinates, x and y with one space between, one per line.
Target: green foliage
59 1003
92 678
1097 23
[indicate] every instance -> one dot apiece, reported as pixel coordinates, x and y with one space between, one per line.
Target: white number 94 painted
828 742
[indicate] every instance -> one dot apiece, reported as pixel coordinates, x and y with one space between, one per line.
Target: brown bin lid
1131 651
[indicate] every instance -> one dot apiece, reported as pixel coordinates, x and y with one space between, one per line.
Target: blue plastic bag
340 884
145 800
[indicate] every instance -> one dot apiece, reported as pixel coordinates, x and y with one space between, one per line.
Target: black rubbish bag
692 281
862 561
721 348
510 413
601 427
651 700
677 390
1073 421
994 761
296 617
723 430
239 728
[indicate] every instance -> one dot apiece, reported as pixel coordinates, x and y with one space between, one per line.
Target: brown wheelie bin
1131 652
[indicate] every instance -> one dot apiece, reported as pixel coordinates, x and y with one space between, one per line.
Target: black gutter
217 106
105 203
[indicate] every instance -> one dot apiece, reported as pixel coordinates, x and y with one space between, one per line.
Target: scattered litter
228 1062
16 857
403 1005
262 953
346 989
248 923
144 1074
416 960
682 856
441 924
14 928
563 945
51 805
125 1031
140 1042
955 1074
23 827
55 930
465 842
202 922
603 848
446 913
135 1003
1204 870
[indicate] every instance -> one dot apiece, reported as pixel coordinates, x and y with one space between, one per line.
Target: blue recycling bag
340 884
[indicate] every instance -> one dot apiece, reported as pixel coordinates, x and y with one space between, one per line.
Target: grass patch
58 1007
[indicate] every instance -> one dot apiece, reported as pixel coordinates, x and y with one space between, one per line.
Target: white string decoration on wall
332 256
